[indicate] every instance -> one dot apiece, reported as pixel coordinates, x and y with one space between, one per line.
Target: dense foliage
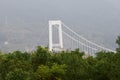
118 42
43 65
67 65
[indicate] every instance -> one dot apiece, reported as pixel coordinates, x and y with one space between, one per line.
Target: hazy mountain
26 24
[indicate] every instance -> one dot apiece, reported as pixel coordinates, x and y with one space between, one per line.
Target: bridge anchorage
85 45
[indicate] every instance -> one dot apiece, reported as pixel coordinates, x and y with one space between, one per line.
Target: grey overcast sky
95 19
85 13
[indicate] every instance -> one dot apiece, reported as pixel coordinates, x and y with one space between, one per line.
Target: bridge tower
55 46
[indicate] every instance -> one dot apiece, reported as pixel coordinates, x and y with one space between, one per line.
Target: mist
97 20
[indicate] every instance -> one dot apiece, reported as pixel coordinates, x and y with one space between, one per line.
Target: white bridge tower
55 46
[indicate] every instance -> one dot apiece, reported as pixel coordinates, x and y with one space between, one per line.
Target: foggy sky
83 16
93 14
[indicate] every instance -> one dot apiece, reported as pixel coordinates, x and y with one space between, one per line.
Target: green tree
14 60
17 74
118 42
66 65
107 66
76 66
55 72
39 57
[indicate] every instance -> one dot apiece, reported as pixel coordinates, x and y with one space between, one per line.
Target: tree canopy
118 42
41 64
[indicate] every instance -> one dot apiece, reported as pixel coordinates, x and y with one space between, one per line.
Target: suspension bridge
74 40
62 37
